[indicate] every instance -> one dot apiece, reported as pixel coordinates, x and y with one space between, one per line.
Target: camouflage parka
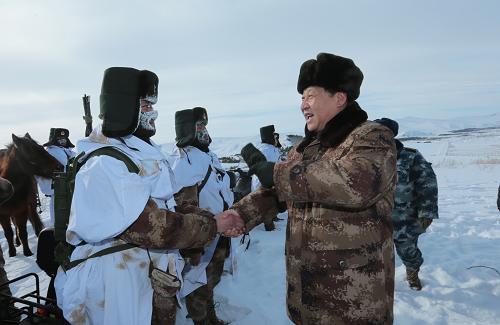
339 189
416 193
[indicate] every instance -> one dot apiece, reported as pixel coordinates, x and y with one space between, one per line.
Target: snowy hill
417 127
409 127
225 147
461 248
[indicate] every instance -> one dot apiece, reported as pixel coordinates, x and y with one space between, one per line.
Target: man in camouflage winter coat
416 204
338 185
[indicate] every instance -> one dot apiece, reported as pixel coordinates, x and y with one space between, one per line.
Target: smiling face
320 106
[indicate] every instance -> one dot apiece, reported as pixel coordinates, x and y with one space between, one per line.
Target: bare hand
230 223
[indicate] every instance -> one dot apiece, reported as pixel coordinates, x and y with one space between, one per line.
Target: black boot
212 316
269 226
413 280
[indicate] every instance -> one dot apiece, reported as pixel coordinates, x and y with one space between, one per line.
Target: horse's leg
21 220
17 241
35 220
9 234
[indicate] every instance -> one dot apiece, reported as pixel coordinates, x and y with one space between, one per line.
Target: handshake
230 224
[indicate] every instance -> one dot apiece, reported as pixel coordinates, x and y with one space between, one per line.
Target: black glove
258 165
425 222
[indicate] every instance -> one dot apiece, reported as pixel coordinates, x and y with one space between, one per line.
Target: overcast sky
240 59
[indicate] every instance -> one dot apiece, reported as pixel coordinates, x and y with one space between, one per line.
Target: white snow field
461 249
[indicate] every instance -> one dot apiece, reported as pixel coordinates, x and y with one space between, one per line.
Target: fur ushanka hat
185 125
58 133
332 72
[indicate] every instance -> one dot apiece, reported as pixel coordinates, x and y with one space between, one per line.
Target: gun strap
102 252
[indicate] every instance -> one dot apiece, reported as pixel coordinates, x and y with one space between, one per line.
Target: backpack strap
132 168
205 179
102 252
115 153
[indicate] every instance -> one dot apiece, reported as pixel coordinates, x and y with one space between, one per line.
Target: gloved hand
425 222
258 165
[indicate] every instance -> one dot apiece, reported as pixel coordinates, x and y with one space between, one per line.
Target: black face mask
62 142
144 134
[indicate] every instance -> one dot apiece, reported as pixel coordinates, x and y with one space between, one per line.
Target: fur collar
337 129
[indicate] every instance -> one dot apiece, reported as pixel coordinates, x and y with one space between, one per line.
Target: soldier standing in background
61 148
415 207
269 147
204 183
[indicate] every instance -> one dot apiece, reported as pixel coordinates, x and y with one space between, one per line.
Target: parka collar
337 129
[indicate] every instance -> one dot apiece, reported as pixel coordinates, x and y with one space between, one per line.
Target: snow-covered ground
456 290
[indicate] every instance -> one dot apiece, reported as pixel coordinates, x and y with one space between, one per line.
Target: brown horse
19 163
6 190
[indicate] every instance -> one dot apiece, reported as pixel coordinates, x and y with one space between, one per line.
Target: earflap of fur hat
332 72
184 127
119 101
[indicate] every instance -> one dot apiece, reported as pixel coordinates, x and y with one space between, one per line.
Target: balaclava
148 94
277 143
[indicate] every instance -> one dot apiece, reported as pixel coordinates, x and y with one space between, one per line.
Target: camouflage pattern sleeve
189 226
355 180
425 187
187 195
257 207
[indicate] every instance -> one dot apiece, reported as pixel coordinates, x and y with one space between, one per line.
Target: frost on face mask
152 99
146 119
202 133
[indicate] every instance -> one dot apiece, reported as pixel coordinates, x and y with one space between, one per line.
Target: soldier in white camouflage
415 206
338 185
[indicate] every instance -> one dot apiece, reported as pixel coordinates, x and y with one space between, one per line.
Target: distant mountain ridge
418 127
409 127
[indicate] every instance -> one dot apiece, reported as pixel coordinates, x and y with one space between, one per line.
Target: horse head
34 158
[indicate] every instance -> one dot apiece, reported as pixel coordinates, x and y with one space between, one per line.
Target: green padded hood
185 120
119 101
